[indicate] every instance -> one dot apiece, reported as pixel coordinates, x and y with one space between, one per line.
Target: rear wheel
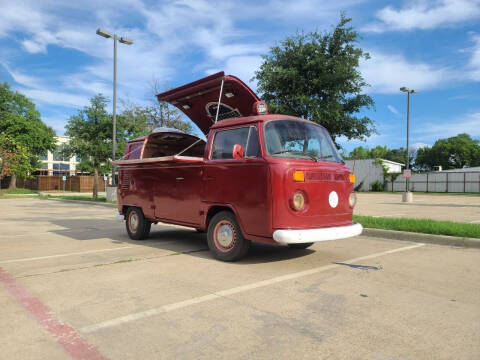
300 246
138 227
225 239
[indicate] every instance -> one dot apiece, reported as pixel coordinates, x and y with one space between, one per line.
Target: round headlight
352 199
298 201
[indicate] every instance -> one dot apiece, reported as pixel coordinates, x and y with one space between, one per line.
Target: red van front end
312 189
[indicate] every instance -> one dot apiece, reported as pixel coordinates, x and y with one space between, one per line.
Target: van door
239 183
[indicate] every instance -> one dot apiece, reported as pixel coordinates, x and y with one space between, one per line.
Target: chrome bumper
316 235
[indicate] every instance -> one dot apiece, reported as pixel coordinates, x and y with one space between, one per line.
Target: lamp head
125 40
104 33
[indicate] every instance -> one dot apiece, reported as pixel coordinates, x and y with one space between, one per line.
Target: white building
55 163
369 171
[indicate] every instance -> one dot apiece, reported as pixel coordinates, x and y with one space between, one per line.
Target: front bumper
316 235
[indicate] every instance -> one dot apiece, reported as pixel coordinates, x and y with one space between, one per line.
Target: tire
225 238
138 228
200 231
300 246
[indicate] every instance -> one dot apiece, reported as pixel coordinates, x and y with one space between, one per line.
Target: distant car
258 177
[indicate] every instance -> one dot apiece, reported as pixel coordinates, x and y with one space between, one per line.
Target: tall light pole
407 196
126 41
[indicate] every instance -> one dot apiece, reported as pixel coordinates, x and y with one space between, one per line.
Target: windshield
299 139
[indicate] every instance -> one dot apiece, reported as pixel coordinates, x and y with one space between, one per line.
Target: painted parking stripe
75 345
223 293
63 255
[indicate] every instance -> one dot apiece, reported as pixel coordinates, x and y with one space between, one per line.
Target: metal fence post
446 183
464 178
427 182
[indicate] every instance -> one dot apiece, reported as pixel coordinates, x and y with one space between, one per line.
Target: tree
91 136
22 123
316 76
14 158
157 114
451 153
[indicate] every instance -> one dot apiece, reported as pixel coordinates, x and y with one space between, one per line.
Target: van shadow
192 243
177 240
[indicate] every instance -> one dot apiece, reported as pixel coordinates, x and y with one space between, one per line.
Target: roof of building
470 169
383 160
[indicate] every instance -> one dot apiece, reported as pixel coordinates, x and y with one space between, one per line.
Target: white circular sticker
333 199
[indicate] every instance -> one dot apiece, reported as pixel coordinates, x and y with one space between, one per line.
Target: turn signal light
298 175
352 178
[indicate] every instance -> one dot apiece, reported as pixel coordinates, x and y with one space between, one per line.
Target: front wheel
300 246
225 239
138 227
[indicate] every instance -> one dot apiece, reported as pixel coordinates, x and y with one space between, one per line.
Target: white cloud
393 109
467 123
62 98
386 73
425 14
474 63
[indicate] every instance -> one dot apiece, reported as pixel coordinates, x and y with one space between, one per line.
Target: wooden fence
55 182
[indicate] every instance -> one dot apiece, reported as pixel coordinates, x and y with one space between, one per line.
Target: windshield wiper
312 157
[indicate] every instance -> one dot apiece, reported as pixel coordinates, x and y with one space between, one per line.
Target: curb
83 202
423 238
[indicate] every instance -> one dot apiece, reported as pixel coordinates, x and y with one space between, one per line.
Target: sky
49 51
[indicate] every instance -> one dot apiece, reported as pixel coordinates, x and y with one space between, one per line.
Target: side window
253 146
224 141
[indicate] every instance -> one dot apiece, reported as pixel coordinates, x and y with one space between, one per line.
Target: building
54 163
369 171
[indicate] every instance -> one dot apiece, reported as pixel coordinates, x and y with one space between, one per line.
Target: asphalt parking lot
461 208
72 285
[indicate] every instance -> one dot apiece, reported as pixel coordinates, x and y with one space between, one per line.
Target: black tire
223 249
138 228
300 246
200 231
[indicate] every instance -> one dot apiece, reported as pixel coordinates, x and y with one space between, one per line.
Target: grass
77 197
18 192
425 226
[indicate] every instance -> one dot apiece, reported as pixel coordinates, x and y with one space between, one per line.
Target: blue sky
50 52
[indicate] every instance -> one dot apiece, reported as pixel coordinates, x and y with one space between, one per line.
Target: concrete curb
83 202
423 238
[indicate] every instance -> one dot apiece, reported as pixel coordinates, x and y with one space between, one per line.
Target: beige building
54 163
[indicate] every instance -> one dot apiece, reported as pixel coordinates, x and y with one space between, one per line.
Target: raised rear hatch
199 99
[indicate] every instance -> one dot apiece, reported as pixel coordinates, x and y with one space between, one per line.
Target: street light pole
126 41
114 136
408 197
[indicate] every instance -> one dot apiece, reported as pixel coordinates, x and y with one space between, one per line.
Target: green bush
377 186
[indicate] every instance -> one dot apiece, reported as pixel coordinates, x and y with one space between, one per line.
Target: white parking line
63 255
232 291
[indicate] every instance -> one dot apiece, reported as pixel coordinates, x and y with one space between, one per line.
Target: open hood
199 99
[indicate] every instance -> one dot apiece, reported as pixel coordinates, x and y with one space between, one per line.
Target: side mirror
237 151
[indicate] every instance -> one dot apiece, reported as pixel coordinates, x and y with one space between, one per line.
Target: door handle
179 178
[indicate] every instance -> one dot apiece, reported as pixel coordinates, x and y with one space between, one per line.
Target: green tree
451 153
359 153
22 123
91 136
316 76
14 158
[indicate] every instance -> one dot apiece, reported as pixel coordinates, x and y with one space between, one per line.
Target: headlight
298 201
352 199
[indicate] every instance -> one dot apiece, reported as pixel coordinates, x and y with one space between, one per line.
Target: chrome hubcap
133 222
225 236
